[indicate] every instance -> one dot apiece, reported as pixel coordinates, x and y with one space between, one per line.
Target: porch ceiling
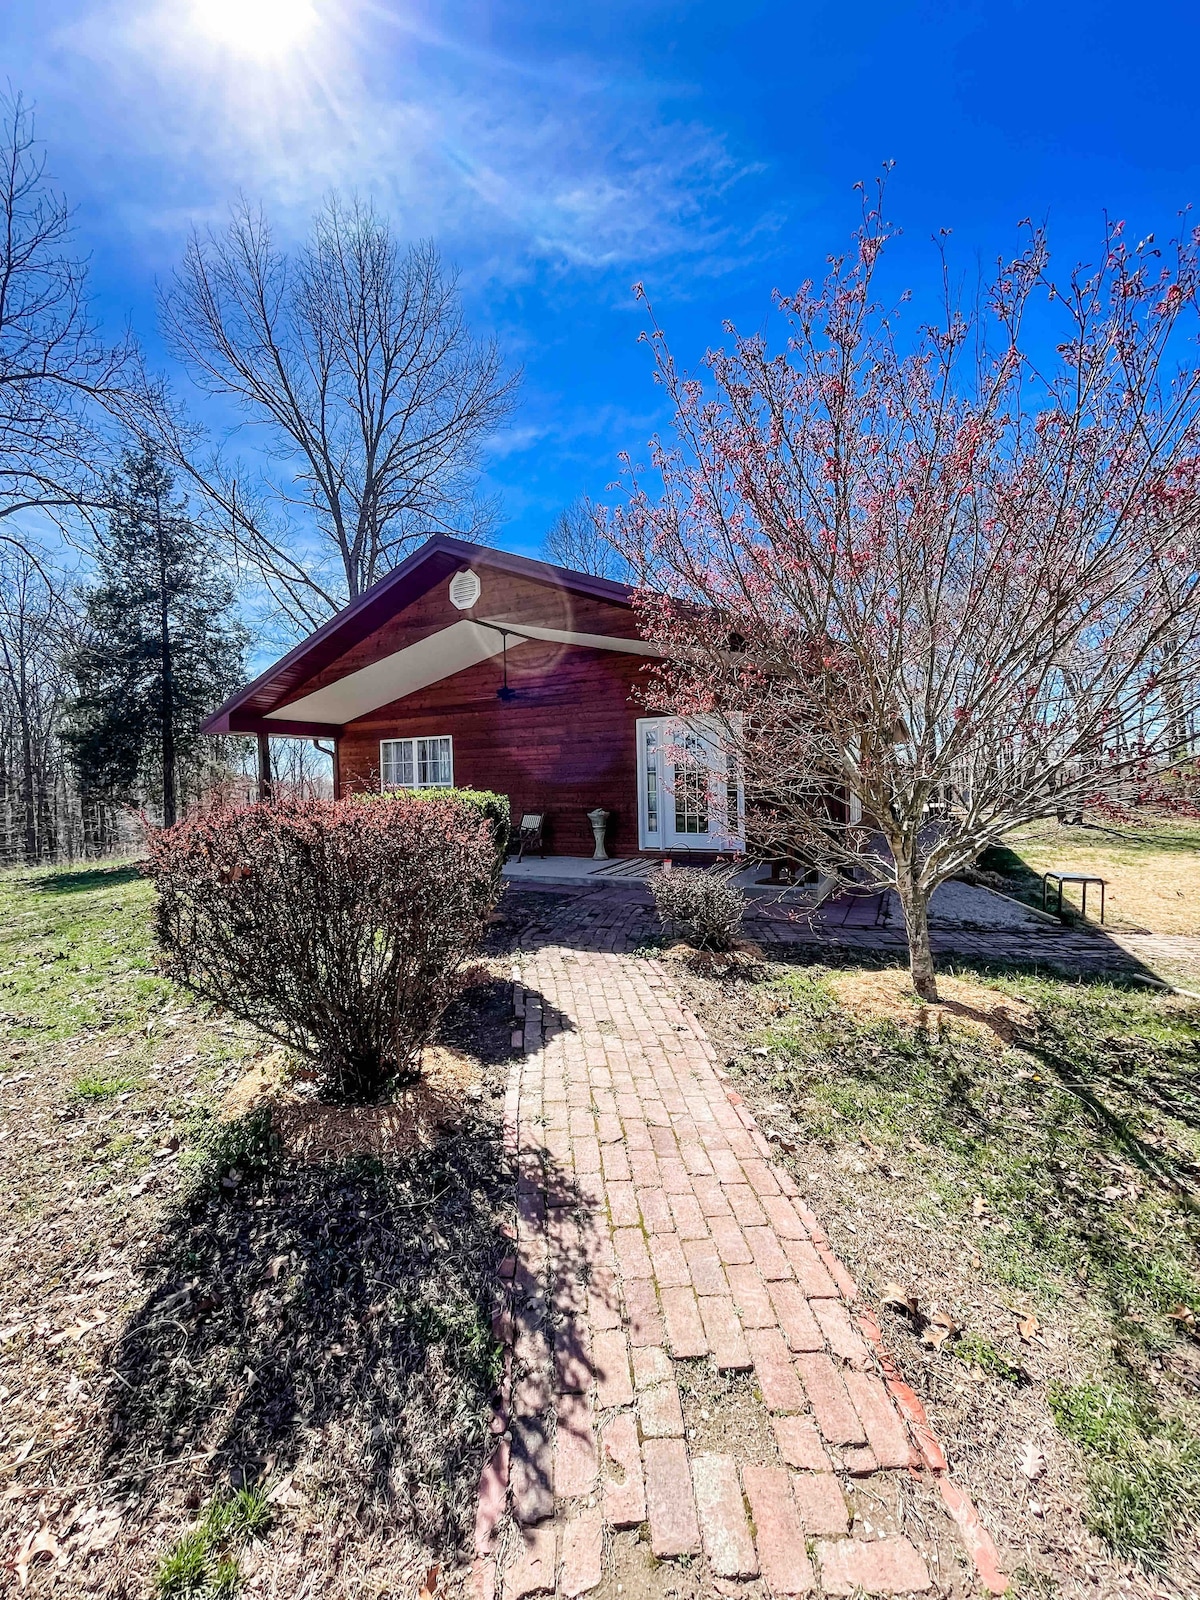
463 644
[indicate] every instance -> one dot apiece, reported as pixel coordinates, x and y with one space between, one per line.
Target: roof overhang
263 706
463 644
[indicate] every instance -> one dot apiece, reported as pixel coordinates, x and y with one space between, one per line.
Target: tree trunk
28 779
265 783
168 682
915 902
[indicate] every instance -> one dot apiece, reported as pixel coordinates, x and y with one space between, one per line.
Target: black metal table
1082 878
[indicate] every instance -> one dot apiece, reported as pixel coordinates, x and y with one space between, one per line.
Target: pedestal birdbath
598 819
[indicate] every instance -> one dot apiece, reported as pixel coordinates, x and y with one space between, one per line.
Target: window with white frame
417 763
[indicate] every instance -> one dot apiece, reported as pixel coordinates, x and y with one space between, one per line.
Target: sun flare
262 28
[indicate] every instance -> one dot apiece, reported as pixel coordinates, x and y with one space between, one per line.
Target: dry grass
1043 1195
887 996
1152 869
190 1304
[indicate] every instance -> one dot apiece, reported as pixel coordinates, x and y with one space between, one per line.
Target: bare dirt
289 1297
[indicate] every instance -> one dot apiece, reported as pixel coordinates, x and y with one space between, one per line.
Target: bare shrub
702 906
336 928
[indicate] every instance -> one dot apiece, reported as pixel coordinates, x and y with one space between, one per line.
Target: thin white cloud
526 166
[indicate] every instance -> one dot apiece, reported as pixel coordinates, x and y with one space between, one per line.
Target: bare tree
60 382
354 356
578 539
938 576
45 814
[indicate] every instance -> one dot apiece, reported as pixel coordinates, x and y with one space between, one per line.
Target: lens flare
261 28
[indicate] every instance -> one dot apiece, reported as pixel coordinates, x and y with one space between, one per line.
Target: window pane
396 763
433 764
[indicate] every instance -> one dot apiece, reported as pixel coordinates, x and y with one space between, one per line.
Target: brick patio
621 917
656 1235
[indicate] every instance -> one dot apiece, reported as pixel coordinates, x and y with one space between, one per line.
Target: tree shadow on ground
332 1320
1084 1147
86 879
593 919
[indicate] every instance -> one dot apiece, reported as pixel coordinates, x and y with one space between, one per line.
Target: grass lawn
1152 868
1032 1184
226 1364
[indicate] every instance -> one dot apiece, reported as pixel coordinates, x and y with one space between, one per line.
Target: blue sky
559 152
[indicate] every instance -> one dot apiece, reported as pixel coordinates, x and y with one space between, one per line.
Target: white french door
689 791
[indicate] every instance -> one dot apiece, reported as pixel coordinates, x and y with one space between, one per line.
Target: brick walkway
661 1254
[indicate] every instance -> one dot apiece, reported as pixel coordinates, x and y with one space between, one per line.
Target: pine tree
160 647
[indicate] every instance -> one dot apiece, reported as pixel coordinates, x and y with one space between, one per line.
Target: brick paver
878 1566
781 1549
654 1228
728 1542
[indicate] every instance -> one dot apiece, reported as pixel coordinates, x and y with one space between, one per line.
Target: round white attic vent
464 589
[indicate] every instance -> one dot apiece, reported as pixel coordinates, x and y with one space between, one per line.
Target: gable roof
433 563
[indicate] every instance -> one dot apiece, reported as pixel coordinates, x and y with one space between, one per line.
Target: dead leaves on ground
939 1327
901 1299
429 1588
87 1531
934 1329
1033 1461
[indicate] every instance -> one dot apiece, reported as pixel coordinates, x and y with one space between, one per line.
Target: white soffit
589 641
463 644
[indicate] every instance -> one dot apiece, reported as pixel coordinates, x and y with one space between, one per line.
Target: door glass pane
691 787
651 781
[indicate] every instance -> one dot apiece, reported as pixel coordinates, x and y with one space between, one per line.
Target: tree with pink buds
934 587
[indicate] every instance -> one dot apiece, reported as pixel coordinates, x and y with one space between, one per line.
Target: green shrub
486 802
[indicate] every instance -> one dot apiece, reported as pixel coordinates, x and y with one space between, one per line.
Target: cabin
468 666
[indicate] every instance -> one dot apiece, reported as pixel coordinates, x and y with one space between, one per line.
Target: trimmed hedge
487 802
334 927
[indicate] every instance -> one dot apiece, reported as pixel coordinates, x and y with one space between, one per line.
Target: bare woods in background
371 403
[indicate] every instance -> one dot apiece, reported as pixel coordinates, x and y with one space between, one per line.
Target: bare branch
955 586
353 357
62 387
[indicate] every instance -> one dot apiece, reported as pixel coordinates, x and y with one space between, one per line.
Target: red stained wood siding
564 745
504 597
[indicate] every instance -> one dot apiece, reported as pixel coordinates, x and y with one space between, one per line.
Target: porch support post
264 768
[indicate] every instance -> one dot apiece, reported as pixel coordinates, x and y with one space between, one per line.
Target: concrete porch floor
954 905
575 871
